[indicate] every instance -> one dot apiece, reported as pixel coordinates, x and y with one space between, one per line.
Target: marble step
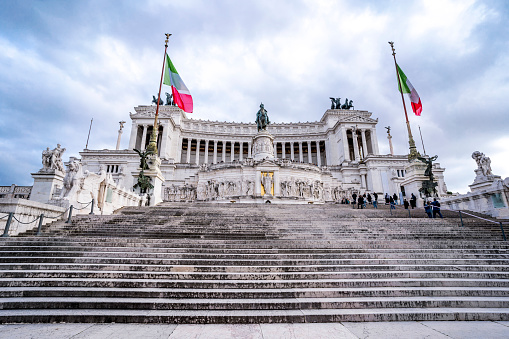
252 284
252 316
236 293
68 274
250 304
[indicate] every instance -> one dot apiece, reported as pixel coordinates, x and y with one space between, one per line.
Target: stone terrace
212 263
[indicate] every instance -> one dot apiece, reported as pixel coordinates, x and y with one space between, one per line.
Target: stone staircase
236 263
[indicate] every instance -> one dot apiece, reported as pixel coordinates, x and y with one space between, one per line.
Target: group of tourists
361 201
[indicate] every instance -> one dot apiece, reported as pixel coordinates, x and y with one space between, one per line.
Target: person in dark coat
360 202
427 209
369 199
435 205
387 199
395 197
354 199
413 201
391 201
406 204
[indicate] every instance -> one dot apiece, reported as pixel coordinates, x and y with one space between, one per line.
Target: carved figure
72 179
154 100
262 119
429 162
46 159
483 163
143 158
267 183
335 103
52 160
169 99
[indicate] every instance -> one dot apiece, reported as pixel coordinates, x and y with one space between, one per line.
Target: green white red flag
407 88
181 95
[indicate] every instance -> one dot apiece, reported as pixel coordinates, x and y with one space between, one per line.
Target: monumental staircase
239 263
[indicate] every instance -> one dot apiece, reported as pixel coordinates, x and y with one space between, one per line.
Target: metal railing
41 217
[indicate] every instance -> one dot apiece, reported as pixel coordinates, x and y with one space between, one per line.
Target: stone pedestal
263 146
157 179
413 180
483 182
45 184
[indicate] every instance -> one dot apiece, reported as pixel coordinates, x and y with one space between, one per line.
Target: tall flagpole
152 145
413 150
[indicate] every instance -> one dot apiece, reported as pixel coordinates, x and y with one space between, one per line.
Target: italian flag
181 95
410 90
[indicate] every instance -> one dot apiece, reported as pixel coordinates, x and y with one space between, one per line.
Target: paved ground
347 330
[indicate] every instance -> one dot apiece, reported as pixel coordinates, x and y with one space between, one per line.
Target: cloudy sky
63 63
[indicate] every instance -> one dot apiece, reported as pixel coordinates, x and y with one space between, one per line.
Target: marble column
249 155
318 160
310 156
355 145
164 141
188 156
214 160
346 147
363 181
292 152
275 149
283 150
374 141
134 134
206 160
232 150
198 151
364 143
301 156
224 151
241 154
143 137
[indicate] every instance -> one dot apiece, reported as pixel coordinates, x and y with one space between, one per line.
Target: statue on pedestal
483 163
428 186
262 119
52 159
143 181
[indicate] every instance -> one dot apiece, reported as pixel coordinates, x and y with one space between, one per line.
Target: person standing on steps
369 199
406 204
392 203
436 208
413 201
387 199
375 200
427 209
360 203
395 197
354 199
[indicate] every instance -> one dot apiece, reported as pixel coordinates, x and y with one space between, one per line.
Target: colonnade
360 142
228 151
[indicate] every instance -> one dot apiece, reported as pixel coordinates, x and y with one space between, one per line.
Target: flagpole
152 145
413 150
422 141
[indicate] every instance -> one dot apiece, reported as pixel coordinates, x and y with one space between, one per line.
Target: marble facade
203 160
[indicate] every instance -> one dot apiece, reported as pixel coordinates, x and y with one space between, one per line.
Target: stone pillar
310 156
197 151
355 145
241 154
224 151
232 150
318 160
164 142
364 144
134 134
346 147
301 156
143 138
283 150
188 155
363 181
249 154
275 149
206 160
292 153
374 141
214 160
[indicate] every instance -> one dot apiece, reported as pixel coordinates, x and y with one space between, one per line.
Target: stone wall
493 200
26 213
